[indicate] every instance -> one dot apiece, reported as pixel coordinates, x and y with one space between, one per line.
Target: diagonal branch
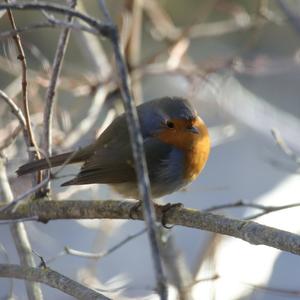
51 278
42 25
104 29
20 237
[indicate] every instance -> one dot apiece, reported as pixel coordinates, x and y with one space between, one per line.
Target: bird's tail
54 161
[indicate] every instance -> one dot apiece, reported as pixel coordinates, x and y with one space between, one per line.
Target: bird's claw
165 209
134 209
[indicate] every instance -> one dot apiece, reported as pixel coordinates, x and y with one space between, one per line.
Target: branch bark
136 141
102 28
52 88
51 278
20 237
251 232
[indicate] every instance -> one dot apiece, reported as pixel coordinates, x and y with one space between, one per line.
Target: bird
176 143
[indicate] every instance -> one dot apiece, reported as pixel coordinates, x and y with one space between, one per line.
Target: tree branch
265 209
138 152
104 29
248 231
20 237
33 150
52 88
44 25
51 278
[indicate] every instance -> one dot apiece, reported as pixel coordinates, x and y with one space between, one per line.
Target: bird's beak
194 130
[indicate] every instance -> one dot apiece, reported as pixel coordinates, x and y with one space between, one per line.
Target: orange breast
196 157
195 146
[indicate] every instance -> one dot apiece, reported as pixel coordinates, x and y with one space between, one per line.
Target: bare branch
74 252
139 159
92 116
20 237
34 218
266 209
102 28
14 202
41 25
293 18
52 89
248 231
285 292
10 138
284 147
34 153
14 109
26 194
94 52
69 251
50 278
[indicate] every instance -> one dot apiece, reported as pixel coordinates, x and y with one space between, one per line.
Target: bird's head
174 121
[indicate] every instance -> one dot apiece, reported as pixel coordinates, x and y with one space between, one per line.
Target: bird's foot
165 209
134 210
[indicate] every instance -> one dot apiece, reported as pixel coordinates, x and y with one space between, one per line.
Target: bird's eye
170 124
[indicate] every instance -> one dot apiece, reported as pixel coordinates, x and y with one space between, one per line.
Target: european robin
176 143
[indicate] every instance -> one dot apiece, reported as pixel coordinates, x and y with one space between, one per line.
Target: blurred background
238 62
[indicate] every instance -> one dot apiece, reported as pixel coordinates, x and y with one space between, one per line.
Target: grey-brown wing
110 159
114 163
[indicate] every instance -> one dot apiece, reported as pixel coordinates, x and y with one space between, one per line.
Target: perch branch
248 231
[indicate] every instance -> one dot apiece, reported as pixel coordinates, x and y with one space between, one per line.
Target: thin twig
43 25
95 54
74 252
284 147
93 51
13 204
265 209
102 28
92 116
179 273
29 192
69 251
133 49
270 209
139 159
10 138
291 14
20 237
21 57
52 279
5 259
277 291
205 279
15 110
34 218
239 203
52 89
